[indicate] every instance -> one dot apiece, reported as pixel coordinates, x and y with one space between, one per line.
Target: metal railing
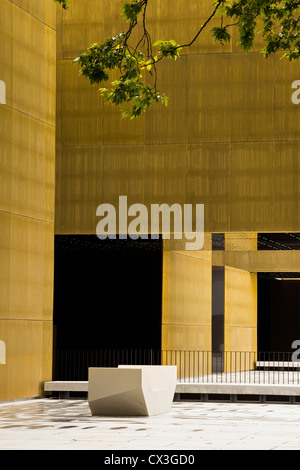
73 364
192 366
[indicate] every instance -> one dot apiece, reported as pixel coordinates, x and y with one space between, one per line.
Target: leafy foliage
64 3
131 10
168 49
220 34
277 21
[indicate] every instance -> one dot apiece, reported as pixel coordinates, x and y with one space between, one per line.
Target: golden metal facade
228 139
240 310
186 320
27 183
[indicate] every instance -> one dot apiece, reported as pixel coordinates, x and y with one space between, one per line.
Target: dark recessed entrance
278 311
107 296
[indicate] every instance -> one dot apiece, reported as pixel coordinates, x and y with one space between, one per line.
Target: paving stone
50 424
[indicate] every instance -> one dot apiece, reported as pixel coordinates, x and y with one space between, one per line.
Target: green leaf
220 34
168 49
131 9
64 3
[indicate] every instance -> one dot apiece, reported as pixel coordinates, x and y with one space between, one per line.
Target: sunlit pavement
52 424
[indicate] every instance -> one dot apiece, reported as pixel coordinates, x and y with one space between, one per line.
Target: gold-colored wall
259 261
229 137
27 202
187 288
186 311
240 312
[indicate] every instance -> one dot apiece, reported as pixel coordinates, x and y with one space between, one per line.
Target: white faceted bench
131 390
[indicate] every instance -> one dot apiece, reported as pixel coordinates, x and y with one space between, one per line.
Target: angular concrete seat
131 390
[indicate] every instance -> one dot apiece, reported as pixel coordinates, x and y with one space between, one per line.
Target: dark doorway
218 292
278 311
107 295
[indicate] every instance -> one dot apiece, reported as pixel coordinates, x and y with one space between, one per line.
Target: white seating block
131 390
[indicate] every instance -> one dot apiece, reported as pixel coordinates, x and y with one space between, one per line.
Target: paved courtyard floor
51 424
